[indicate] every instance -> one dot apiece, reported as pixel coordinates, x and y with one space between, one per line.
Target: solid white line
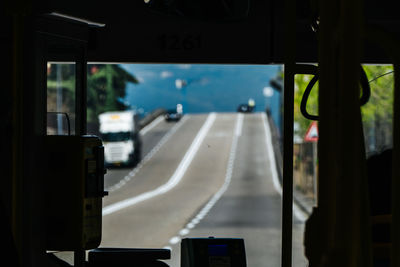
150 126
239 125
228 177
275 180
271 154
149 155
175 178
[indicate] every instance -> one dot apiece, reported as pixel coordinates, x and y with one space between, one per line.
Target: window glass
61 89
305 163
377 114
205 161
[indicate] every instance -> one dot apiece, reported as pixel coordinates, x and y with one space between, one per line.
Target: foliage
301 82
376 114
106 85
61 86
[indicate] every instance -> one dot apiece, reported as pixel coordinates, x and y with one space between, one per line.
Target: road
207 175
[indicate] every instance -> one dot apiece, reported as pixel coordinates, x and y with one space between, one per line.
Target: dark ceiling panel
204 32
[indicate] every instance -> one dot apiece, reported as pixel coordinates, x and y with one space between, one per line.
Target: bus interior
330 41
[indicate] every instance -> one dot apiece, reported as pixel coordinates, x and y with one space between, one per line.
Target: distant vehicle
119 131
245 108
174 114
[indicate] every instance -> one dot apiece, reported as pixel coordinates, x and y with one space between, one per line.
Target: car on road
172 115
245 108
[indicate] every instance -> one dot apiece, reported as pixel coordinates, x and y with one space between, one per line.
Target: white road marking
184 231
228 177
239 125
175 240
148 156
175 178
190 226
150 126
275 180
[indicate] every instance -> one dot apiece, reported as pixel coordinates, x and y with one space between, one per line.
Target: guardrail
303 201
151 116
93 128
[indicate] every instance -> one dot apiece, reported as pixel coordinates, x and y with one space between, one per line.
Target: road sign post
312 136
312 133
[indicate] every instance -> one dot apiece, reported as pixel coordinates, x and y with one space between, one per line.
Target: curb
304 204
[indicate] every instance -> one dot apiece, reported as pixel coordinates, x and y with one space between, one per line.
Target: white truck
119 131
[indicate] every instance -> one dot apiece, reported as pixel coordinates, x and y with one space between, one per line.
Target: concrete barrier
151 116
300 199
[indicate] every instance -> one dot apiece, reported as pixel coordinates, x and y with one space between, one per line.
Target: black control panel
213 252
74 191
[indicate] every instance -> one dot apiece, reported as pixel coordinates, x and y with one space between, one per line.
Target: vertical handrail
17 132
336 230
391 47
287 183
352 241
396 169
395 235
81 93
319 229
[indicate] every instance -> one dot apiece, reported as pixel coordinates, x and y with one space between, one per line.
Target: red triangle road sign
312 133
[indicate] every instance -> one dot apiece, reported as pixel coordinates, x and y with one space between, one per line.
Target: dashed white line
175 240
190 225
184 231
228 177
175 178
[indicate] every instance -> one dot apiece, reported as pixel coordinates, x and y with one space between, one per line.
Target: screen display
218 250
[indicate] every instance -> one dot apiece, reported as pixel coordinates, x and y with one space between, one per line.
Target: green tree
377 114
61 83
301 82
106 84
106 87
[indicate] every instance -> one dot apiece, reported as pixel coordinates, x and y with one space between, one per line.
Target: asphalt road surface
206 175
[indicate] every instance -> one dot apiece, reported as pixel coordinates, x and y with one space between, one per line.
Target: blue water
209 88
